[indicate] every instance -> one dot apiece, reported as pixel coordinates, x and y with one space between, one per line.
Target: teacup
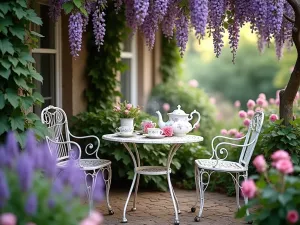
125 130
155 132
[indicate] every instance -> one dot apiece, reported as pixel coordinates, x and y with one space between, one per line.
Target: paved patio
157 208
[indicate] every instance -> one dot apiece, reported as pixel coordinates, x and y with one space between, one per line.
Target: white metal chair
204 168
60 145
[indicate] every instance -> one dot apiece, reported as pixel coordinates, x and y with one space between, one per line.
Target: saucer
154 136
125 135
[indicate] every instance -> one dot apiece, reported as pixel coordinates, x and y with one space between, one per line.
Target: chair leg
237 189
91 187
107 181
245 175
135 192
202 188
193 209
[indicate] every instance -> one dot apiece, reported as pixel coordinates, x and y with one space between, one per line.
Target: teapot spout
161 123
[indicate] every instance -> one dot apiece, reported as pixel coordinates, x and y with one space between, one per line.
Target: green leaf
20 13
17 122
21 82
38 97
2 100
31 16
36 75
77 3
4 125
4 7
284 198
1 15
26 102
6 46
36 34
32 116
5 63
22 3
5 73
13 60
21 137
68 7
20 71
12 96
18 32
27 57
83 11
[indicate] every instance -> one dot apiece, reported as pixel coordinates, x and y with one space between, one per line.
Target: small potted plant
127 112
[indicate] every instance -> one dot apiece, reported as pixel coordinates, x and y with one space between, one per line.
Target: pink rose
117 108
88 221
250 113
277 101
96 217
262 96
232 132
265 104
260 163
292 216
272 101
238 135
250 104
224 132
166 107
242 114
126 111
168 131
279 155
249 188
8 219
212 100
237 104
147 125
193 83
128 106
284 166
260 101
247 122
273 117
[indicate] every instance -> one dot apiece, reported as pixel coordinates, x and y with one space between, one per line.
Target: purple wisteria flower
55 9
141 10
99 23
199 14
182 32
118 4
75 33
168 23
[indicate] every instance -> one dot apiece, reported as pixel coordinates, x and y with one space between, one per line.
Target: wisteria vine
176 16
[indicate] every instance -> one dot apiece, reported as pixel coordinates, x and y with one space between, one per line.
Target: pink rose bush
127 110
275 193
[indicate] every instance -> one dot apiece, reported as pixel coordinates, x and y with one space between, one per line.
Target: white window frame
133 67
58 54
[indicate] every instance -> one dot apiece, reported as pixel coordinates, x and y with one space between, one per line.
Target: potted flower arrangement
275 194
127 112
32 193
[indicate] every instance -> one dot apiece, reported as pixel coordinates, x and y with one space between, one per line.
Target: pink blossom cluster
232 132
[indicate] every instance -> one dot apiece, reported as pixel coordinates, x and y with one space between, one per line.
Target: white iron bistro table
175 143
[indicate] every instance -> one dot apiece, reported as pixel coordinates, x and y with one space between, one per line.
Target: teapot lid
178 111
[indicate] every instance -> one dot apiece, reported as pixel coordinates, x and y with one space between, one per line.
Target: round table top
141 139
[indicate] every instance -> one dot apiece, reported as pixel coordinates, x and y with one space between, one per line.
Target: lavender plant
32 193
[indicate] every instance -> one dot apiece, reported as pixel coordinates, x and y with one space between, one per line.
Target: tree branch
289 19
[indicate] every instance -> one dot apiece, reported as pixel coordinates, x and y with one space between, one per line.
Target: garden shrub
106 121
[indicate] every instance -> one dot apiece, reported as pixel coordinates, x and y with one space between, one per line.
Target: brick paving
157 208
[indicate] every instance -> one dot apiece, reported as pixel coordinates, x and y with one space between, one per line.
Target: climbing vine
103 65
17 74
170 60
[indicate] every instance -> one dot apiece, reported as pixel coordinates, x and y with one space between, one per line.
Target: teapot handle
191 117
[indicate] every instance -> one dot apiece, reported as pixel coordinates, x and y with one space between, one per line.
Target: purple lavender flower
30 144
182 32
75 33
99 24
199 14
4 190
49 162
99 187
11 146
141 10
31 205
25 171
55 9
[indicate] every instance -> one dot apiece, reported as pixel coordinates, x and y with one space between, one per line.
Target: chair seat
221 165
88 164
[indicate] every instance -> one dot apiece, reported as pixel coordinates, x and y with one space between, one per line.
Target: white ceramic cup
155 132
125 130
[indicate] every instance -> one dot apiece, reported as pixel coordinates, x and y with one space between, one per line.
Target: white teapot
179 121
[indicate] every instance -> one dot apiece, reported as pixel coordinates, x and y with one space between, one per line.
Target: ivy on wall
102 66
17 74
170 60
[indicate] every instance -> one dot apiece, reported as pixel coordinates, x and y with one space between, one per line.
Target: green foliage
103 122
102 66
17 75
170 60
277 195
190 99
